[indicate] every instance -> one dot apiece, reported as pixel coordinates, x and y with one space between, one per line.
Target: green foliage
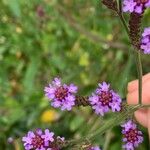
80 41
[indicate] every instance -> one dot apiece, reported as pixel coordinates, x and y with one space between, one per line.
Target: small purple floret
92 148
145 41
61 95
95 148
132 136
105 99
137 6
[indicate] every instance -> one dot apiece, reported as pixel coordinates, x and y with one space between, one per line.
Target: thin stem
108 124
120 14
136 53
120 6
140 73
116 120
124 23
108 138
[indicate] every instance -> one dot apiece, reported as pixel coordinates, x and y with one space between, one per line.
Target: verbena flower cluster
105 99
61 95
40 140
132 136
137 6
145 41
93 148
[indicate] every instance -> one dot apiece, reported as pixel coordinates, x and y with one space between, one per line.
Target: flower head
61 95
94 148
145 41
104 99
132 136
40 11
10 140
90 147
40 140
137 6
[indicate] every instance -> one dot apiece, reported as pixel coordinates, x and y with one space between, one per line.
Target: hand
142 115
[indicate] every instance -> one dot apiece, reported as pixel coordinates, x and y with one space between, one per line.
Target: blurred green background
79 40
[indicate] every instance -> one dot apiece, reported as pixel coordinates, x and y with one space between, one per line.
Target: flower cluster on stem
137 6
131 135
40 140
105 99
61 95
145 41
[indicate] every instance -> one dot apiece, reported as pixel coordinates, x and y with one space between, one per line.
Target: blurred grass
78 40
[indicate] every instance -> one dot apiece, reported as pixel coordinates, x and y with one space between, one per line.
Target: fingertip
149 121
142 117
133 85
132 98
147 76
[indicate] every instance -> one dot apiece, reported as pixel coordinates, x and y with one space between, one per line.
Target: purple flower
10 140
137 6
104 99
132 136
61 95
145 41
93 148
40 11
38 140
48 136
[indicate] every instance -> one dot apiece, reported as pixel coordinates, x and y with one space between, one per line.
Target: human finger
133 85
142 117
132 97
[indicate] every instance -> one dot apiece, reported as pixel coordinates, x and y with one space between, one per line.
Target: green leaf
30 75
76 122
115 146
14 6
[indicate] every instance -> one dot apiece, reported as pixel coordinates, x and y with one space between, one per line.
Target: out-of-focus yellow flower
18 30
18 54
4 18
49 116
84 59
109 37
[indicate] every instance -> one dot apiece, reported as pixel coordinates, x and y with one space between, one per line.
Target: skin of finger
133 85
149 122
142 117
132 97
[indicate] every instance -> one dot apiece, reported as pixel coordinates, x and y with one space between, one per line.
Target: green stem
113 122
107 125
120 6
108 138
140 73
136 53
124 23
120 14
